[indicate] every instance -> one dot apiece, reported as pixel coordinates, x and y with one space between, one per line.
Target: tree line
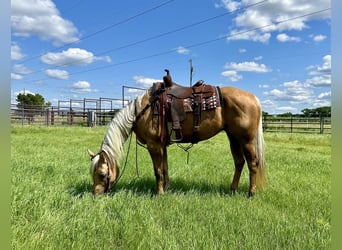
315 112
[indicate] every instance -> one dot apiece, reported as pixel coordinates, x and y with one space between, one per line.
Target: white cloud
104 58
41 18
249 35
270 15
326 67
276 93
58 74
293 92
285 38
182 50
21 69
267 102
319 38
82 87
16 53
146 82
131 94
258 58
322 74
232 75
242 50
286 109
321 103
71 56
292 96
18 70
15 76
248 66
320 81
234 68
325 95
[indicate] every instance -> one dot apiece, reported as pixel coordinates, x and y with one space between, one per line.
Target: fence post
47 118
291 123
88 118
91 118
321 124
22 115
52 117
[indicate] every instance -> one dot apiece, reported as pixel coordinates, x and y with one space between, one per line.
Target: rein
156 96
109 186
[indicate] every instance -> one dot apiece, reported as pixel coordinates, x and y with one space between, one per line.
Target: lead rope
186 149
136 157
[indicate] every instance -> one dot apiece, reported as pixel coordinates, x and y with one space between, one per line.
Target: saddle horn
167 79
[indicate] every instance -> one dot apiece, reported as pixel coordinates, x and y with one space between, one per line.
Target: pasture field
52 206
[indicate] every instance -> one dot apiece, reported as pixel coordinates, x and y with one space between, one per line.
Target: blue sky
277 49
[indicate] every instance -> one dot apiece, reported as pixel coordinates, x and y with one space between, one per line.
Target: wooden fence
56 116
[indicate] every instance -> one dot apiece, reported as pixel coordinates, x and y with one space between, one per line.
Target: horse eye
102 175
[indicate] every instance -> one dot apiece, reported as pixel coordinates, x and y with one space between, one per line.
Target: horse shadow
142 186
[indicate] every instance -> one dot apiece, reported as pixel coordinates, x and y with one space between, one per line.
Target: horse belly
210 124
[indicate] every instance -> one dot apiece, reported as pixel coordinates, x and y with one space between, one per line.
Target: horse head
103 171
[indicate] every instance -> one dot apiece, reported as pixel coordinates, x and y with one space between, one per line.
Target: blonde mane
119 129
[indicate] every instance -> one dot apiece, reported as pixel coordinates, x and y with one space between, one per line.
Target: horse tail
260 152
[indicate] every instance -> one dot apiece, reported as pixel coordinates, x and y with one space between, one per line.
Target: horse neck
118 132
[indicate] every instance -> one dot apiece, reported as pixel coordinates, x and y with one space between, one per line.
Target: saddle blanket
208 103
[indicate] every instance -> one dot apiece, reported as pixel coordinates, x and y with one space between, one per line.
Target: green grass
53 208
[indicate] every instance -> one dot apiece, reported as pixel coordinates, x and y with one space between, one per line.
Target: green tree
31 100
287 114
321 111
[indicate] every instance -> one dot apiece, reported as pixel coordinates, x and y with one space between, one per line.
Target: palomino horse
239 115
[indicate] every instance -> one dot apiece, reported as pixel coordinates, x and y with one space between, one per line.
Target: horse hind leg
239 161
252 161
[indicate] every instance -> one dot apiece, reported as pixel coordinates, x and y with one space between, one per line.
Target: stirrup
175 132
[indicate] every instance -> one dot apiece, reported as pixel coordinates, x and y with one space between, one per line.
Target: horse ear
90 153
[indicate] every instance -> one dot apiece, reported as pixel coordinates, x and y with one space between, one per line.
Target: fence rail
57 116
297 124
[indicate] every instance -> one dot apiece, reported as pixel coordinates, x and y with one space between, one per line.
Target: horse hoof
250 195
167 187
232 191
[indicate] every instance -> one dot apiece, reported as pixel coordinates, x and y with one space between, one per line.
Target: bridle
108 185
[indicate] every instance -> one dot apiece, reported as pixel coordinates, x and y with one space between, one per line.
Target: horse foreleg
157 154
252 161
239 162
166 170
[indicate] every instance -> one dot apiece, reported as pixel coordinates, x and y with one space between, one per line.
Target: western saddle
173 101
